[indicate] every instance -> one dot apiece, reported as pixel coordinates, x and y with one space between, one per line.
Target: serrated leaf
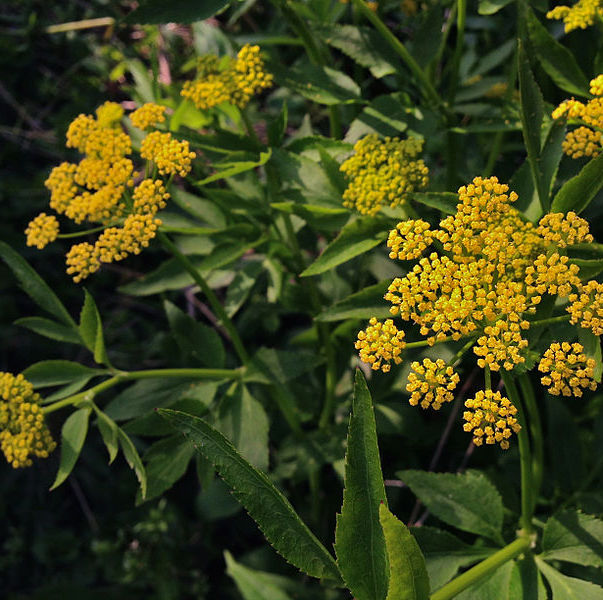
445 554
574 537
50 329
359 539
231 168
568 588
109 432
531 120
58 372
467 501
556 60
577 193
277 127
385 115
133 459
184 11
355 238
73 435
361 305
408 578
265 503
254 585
240 288
34 286
91 330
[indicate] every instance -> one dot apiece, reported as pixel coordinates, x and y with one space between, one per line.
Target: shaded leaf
50 329
91 329
361 305
568 588
184 11
254 585
133 459
109 432
57 372
577 193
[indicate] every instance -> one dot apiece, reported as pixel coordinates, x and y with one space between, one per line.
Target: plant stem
209 294
535 423
550 320
458 49
427 89
75 234
122 376
525 455
481 570
249 127
487 378
85 24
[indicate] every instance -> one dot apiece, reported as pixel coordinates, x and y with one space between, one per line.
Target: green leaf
568 588
359 539
166 462
466 501
574 537
355 238
526 582
240 288
385 115
589 267
363 45
50 329
556 60
254 585
269 364
133 459
231 168
445 202
361 305
592 348
408 578
265 503
91 330
323 85
109 432
490 7
243 420
184 11
277 127
57 372
73 435
531 120
496 586
577 193
445 554
34 286
321 217
200 208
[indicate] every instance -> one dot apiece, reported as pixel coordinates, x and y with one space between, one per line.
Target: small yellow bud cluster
23 431
409 239
150 196
431 384
491 418
228 80
148 115
108 114
501 343
586 307
82 261
553 275
569 370
383 173
116 243
564 230
380 344
580 16
171 156
42 231
586 139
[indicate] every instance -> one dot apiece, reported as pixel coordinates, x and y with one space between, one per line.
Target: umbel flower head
383 173
581 15
431 383
228 80
585 140
23 432
105 190
567 370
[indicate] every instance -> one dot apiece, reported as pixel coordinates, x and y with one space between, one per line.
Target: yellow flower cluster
228 80
104 188
409 239
586 139
568 368
551 274
491 418
564 230
23 431
147 115
586 307
42 231
580 16
431 384
379 344
383 173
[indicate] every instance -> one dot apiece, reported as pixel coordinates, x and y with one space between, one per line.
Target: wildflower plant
333 282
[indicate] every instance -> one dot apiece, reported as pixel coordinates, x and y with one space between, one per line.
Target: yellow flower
582 141
82 261
567 370
109 114
586 307
171 156
552 274
383 173
61 183
562 230
491 418
596 86
379 344
147 115
150 196
409 239
42 230
581 15
23 431
431 384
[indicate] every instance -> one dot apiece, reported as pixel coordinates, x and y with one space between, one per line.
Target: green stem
427 89
457 357
249 127
75 234
535 424
481 570
525 456
550 321
487 378
122 376
209 294
458 50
